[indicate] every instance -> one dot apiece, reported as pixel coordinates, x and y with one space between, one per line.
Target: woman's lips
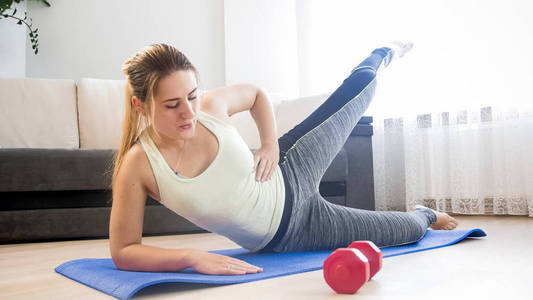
187 126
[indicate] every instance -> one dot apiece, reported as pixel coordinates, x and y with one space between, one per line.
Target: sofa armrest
360 179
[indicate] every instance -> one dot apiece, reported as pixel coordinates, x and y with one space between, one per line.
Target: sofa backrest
288 113
101 111
45 113
293 111
38 113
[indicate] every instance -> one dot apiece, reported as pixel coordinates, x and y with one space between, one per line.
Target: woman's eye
190 99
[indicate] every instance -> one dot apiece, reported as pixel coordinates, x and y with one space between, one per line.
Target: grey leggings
309 221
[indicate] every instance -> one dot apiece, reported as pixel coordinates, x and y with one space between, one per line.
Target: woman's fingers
238 266
265 170
257 158
260 170
241 263
271 170
216 264
265 161
236 269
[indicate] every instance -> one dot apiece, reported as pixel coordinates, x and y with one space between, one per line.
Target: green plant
5 6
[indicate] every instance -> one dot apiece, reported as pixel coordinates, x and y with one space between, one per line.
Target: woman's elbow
119 259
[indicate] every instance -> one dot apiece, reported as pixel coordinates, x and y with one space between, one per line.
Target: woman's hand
266 159
216 264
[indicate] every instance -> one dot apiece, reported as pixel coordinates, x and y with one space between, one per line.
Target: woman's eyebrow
174 99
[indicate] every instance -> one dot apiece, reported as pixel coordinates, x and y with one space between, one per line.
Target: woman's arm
263 115
125 227
125 233
266 158
227 101
138 257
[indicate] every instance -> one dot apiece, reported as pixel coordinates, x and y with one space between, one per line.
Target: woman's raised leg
307 150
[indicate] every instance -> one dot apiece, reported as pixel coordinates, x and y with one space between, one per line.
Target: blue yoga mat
101 274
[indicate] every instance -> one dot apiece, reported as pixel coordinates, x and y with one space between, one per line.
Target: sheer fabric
465 162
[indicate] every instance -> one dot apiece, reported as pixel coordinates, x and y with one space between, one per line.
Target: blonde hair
143 72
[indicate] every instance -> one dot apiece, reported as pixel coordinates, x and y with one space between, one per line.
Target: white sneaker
400 48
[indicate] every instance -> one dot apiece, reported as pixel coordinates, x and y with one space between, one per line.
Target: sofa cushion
38 113
246 126
101 111
290 113
23 170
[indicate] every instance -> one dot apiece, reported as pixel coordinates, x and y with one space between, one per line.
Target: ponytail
130 132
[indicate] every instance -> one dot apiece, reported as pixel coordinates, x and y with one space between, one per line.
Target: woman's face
176 106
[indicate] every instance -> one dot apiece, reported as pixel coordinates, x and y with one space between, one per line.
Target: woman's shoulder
137 167
212 106
135 156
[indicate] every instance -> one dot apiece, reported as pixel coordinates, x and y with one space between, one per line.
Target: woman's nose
188 112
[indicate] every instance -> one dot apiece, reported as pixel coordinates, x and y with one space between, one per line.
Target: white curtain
467 53
477 161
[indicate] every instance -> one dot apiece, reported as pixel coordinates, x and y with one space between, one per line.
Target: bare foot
444 221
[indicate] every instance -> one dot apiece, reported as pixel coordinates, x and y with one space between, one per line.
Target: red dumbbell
372 253
346 270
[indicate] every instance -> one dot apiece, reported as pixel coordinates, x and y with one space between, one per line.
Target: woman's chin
187 135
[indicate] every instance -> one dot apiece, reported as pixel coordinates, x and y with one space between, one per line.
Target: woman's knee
361 77
418 231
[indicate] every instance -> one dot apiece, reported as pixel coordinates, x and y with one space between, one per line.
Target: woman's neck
165 143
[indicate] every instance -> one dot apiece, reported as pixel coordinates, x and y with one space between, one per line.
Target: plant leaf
5 4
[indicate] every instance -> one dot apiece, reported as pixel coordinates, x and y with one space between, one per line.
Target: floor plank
499 266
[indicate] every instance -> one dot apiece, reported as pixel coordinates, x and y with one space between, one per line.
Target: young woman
178 147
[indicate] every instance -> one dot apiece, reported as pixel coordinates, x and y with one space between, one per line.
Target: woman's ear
138 105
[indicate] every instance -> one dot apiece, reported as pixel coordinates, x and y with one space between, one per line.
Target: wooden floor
499 266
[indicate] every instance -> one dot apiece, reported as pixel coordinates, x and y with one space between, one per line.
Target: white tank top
225 198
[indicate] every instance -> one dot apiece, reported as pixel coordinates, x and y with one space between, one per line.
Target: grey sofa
62 193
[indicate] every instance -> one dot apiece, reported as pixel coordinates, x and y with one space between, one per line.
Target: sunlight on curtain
452 120
464 162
